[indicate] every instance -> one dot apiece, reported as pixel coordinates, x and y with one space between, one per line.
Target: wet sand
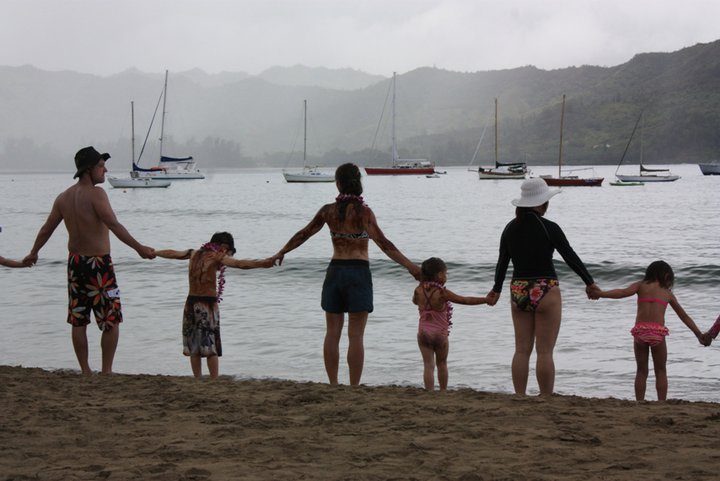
57 425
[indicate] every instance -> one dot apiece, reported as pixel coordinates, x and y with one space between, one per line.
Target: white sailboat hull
308 175
647 178
168 174
136 183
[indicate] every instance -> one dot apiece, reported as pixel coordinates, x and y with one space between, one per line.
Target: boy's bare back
202 272
204 265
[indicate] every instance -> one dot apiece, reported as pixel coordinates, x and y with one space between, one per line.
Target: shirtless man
88 217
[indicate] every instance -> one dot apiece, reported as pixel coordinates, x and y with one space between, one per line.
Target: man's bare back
88 234
85 210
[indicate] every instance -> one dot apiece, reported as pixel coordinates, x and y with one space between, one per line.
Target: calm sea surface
272 324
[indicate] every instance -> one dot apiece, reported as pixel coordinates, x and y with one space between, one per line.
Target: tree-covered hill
235 119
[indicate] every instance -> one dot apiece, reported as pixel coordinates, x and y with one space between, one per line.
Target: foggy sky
376 36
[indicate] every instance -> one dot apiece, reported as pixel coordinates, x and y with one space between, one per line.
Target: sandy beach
57 425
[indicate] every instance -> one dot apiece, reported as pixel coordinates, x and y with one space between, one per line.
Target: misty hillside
339 79
236 119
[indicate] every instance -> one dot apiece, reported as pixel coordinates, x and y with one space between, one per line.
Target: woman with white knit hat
529 241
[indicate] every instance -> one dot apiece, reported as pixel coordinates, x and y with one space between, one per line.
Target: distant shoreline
115 171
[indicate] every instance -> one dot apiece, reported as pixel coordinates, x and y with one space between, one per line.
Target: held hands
30 259
705 339
593 291
492 298
277 259
146 252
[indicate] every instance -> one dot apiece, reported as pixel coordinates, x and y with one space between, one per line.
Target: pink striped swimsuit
432 322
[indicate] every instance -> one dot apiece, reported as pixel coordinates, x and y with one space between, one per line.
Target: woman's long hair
348 180
660 272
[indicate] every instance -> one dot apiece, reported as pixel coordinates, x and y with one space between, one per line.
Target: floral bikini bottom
526 294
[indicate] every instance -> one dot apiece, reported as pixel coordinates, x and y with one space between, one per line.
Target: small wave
614 273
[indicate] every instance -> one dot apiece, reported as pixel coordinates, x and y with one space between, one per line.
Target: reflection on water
272 324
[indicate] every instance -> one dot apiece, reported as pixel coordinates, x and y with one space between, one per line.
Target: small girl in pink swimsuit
654 293
433 301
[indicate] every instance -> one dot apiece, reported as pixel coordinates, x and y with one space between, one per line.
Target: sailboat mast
496 132
627 146
162 122
304 131
642 128
394 141
562 122
132 130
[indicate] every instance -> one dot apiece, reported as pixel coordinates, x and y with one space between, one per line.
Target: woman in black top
529 241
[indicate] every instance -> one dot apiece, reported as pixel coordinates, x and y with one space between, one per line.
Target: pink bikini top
652 299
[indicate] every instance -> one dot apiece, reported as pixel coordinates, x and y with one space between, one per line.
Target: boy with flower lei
201 315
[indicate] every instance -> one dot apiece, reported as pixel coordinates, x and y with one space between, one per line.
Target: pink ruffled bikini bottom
650 333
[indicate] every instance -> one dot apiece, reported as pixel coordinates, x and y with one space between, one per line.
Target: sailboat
401 166
135 182
308 173
169 167
569 180
645 175
513 170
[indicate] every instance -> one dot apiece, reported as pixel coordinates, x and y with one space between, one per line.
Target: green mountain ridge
238 120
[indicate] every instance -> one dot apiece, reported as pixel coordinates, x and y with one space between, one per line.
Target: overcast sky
376 36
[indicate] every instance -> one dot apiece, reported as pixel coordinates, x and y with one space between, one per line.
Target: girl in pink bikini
654 293
435 308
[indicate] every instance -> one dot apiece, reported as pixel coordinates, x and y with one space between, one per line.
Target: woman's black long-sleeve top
529 241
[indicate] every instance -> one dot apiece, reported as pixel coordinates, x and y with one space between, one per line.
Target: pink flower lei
448 304
347 197
211 246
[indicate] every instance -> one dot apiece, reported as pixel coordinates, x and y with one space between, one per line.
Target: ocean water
272 323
